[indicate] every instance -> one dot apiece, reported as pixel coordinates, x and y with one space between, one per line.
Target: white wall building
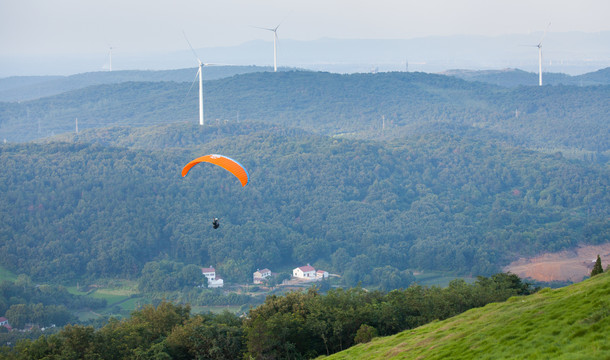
304 272
259 275
218 282
321 274
213 280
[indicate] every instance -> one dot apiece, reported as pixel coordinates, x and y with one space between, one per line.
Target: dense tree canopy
442 201
23 302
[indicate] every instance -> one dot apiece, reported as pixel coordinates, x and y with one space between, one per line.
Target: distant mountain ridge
564 52
23 88
516 77
371 106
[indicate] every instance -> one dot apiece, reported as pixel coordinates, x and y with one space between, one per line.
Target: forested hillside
369 106
445 199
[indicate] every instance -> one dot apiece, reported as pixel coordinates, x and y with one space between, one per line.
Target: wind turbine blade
544 34
284 19
193 50
193 83
262 28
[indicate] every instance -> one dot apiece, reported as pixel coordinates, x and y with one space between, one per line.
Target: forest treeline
298 325
175 281
370 211
371 106
23 302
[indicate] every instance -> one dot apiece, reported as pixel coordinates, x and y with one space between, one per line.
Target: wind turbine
200 74
110 57
539 46
275 40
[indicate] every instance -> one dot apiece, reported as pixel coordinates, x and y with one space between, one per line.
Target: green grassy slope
566 323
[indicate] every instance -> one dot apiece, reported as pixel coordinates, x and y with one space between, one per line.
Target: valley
401 185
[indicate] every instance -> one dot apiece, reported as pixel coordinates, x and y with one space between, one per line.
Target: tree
365 334
18 315
597 268
276 279
207 336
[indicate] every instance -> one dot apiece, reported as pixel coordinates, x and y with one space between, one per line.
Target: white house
210 272
321 274
213 280
259 275
304 272
218 282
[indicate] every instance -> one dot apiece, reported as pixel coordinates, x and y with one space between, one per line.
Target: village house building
218 282
321 274
210 272
304 272
4 322
259 275
214 281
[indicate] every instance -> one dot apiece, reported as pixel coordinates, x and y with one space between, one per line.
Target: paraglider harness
215 223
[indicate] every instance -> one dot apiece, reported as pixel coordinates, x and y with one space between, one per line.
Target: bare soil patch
568 265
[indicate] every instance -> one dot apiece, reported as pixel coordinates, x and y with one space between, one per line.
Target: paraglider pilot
215 223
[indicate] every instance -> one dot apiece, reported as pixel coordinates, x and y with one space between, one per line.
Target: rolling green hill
368 106
567 323
447 199
443 182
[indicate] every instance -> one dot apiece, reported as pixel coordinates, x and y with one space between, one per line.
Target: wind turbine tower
275 40
540 64
110 57
539 46
200 74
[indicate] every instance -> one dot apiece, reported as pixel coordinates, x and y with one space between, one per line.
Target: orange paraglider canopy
224 162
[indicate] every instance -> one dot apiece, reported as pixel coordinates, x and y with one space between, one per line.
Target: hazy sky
39 27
